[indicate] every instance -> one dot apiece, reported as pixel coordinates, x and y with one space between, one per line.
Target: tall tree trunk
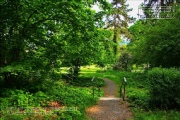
75 69
115 43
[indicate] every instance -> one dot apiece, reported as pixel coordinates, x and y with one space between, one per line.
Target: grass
99 72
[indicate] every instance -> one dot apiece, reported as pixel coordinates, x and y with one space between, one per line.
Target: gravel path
110 89
109 107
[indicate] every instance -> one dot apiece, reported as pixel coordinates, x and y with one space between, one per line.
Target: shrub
137 90
123 62
138 98
17 98
164 88
12 76
20 102
70 95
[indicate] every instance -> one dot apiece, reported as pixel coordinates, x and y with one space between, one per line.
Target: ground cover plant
48 100
147 93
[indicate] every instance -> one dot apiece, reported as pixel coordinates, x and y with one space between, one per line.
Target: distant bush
123 63
164 88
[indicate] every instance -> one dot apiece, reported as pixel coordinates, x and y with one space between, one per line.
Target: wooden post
93 89
124 88
93 86
99 90
120 90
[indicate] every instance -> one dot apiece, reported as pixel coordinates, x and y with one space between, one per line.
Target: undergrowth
68 100
48 100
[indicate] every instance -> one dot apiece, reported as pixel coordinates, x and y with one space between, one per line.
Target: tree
123 62
37 36
156 42
117 20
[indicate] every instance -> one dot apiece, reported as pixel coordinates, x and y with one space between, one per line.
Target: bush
16 98
23 104
123 62
164 88
70 95
137 90
138 98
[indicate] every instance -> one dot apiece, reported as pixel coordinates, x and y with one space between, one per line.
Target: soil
109 107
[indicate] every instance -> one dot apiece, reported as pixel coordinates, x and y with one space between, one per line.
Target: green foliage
156 42
41 99
20 98
14 75
70 95
117 20
138 98
41 36
17 98
37 38
22 104
70 115
106 54
123 63
73 97
137 90
164 88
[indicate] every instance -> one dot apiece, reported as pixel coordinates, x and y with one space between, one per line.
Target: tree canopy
41 35
156 42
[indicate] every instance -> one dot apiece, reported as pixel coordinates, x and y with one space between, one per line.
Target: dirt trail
109 107
110 89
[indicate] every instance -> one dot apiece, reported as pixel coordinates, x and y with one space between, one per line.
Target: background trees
156 42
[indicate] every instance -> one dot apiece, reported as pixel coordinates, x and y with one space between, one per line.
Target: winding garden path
109 107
